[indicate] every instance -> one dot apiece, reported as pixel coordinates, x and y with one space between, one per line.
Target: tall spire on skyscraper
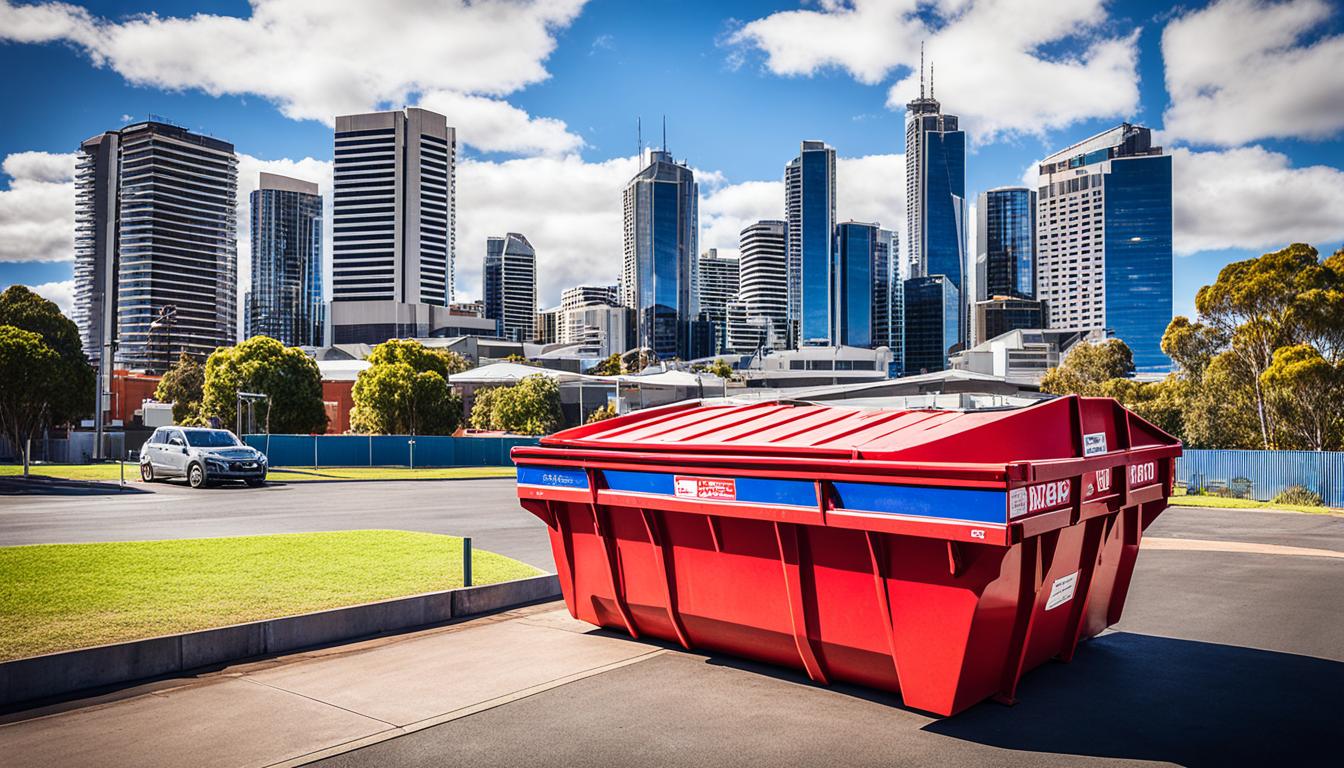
921 69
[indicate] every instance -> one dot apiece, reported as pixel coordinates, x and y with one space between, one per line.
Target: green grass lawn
1182 499
62 596
111 472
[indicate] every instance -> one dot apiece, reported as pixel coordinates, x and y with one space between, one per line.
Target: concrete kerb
57 674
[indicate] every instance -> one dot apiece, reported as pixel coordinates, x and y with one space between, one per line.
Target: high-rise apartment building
758 316
155 245
935 192
659 276
719 283
587 295
393 224
932 319
809 202
285 301
1104 229
509 285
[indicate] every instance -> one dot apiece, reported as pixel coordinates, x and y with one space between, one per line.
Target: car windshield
211 438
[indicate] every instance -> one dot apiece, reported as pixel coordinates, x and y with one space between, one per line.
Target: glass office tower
659 276
935 186
1104 232
1006 243
758 317
862 287
809 197
509 285
285 302
932 323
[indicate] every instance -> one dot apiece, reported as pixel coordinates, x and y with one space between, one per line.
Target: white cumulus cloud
1250 197
1242 70
62 292
37 211
988 56
316 59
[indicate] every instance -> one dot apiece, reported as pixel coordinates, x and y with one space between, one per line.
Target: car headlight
215 464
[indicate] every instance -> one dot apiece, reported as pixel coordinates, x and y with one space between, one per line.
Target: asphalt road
1221 659
486 510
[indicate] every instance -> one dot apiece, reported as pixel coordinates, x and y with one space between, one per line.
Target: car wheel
255 482
147 472
196 476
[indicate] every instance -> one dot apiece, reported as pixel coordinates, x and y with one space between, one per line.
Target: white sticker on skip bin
1094 443
1061 591
1017 502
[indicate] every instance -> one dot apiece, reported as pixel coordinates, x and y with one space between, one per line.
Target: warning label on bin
721 488
1061 591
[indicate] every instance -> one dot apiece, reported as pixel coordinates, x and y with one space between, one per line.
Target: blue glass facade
945 205
659 279
810 198
285 302
1139 256
856 293
932 323
1007 243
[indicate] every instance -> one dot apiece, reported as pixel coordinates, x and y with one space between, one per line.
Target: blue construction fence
385 450
1262 475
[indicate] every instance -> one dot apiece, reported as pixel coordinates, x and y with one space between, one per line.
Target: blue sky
547 126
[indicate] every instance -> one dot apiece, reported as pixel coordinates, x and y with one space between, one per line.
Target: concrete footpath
298 708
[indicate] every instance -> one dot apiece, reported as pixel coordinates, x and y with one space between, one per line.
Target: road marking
1245 547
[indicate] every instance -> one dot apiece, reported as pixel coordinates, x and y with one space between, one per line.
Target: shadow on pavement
1141 697
38 485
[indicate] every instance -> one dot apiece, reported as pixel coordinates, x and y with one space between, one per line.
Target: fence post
466 561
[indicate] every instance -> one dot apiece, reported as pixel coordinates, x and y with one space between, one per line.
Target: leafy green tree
71 389
418 356
520 360
1256 305
183 385
405 390
721 369
601 413
612 366
395 399
1304 392
29 372
1191 346
1088 366
483 408
1220 409
289 378
530 407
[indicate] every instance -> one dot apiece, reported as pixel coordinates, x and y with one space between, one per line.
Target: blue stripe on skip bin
753 490
553 477
946 503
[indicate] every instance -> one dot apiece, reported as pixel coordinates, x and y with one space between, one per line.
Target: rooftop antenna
664 134
639 138
921 69
931 80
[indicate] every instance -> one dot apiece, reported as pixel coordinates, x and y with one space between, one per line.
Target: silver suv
203 456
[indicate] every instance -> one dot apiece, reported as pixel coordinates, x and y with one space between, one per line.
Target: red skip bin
935 553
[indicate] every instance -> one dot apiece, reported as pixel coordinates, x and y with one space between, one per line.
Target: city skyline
1257 181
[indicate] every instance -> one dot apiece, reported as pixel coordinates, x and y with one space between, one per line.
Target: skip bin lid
1064 427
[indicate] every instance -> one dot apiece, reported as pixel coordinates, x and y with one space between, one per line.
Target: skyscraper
860 291
809 202
155 245
758 317
932 319
889 309
659 274
719 282
935 191
285 302
1104 228
394 217
1005 265
509 283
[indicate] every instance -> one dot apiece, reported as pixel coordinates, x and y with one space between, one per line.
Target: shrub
1299 495
601 413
